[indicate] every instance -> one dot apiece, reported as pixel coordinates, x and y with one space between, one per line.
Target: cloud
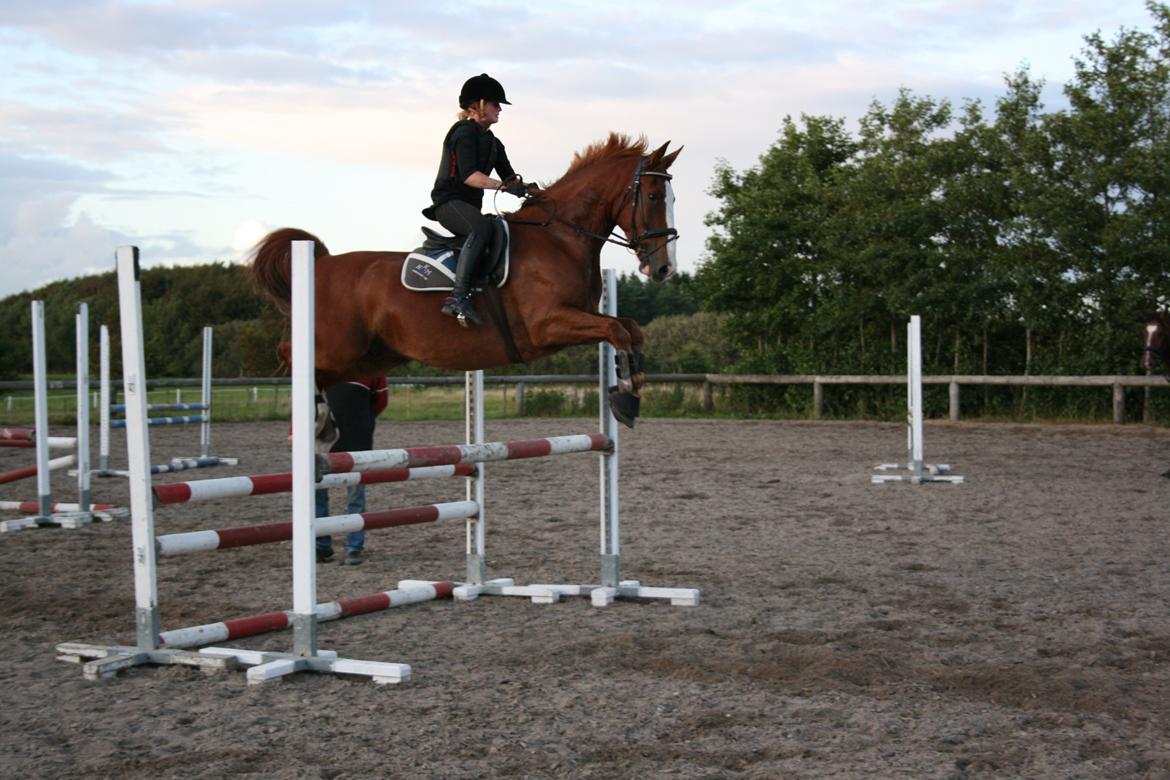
40 247
178 120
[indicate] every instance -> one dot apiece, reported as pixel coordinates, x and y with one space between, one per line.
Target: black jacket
466 148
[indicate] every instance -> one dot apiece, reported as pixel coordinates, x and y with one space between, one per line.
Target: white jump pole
105 400
919 471
147 643
40 434
205 428
81 322
474 434
41 411
609 513
304 453
204 459
306 657
914 394
611 586
50 513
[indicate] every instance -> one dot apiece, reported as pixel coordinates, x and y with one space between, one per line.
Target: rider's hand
515 186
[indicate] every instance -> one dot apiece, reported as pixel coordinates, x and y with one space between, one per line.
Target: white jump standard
151 646
309 473
610 585
919 472
47 512
305 655
107 408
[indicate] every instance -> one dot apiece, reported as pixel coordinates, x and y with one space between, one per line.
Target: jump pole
48 513
108 407
919 471
611 585
147 649
305 655
40 415
155 647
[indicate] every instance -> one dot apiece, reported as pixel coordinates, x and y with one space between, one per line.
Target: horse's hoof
625 406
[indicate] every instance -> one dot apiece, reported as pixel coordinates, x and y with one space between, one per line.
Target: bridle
635 189
633 239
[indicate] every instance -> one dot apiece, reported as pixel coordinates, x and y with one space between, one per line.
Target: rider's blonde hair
474 108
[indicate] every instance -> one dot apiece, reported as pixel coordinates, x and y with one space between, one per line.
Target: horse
368 322
1157 349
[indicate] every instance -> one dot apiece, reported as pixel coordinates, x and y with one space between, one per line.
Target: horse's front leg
637 359
570 326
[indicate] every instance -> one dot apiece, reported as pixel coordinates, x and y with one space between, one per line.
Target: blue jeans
355 496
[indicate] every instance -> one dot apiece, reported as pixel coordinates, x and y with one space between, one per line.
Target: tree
1111 188
767 266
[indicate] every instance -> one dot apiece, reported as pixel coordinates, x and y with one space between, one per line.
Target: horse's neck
596 203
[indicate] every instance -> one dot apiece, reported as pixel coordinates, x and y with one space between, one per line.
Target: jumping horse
367 322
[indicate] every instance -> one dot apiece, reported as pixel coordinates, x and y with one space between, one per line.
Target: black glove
515 186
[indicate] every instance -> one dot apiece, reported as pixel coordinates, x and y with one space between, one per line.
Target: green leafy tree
767 265
1110 183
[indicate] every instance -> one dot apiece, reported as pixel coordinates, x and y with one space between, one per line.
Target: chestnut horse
368 322
1157 349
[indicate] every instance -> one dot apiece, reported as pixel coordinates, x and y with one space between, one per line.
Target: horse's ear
1146 315
668 160
655 157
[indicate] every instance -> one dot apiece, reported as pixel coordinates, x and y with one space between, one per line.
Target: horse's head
1157 338
649 221
615 184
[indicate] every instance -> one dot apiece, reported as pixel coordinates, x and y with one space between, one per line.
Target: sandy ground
1013 626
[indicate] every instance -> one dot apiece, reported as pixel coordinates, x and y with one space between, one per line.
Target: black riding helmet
481 87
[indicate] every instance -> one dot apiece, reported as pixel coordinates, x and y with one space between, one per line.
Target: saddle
431 267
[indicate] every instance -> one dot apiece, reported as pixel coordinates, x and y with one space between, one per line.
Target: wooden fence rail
1118 383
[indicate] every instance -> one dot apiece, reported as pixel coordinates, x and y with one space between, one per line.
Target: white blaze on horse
1157 348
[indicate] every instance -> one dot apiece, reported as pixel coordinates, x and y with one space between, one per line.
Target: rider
470 153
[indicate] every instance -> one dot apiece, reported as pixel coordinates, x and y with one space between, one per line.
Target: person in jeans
355 406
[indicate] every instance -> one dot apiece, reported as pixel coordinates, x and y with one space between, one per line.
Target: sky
190 128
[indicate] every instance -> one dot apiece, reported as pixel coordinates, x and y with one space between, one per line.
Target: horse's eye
653 196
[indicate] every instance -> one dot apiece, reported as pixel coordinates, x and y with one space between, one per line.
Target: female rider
470 154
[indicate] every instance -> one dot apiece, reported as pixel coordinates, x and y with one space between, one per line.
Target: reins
634 193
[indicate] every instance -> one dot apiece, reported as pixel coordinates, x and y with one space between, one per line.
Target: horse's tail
271 266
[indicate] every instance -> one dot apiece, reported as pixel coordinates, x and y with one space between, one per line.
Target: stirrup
461 309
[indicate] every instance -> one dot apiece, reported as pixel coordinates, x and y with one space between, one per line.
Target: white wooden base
110 660
64 520
929 472
270 667
600 596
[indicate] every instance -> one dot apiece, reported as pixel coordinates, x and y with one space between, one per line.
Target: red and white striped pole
267 533
32 506
265 484
408 592
414 457
24 472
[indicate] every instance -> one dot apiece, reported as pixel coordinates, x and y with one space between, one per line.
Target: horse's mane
617 146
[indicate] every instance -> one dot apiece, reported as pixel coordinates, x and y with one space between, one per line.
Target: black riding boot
459 304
